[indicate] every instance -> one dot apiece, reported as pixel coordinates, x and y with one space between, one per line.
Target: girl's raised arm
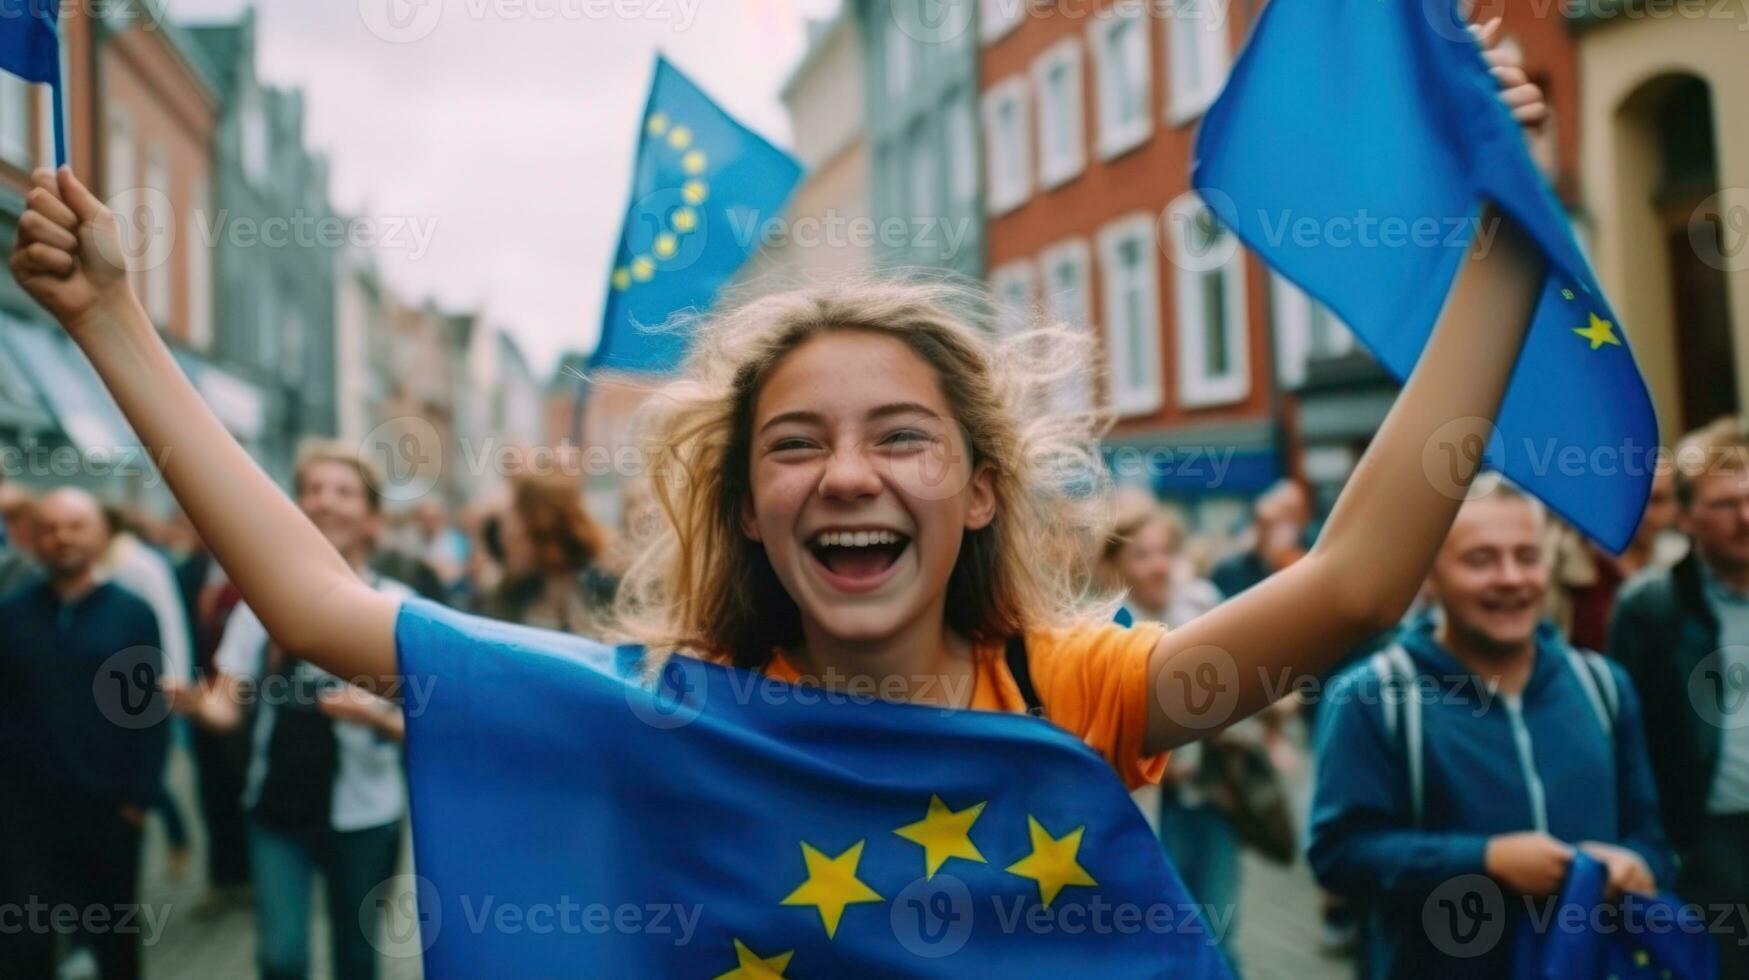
68 257
1391 518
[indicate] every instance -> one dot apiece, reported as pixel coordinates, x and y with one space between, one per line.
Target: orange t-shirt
1092 680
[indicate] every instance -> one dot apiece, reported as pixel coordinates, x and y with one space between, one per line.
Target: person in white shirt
325 790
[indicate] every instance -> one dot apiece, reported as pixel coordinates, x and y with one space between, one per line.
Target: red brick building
1089 119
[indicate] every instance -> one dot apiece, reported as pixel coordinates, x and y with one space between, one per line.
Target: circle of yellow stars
831 884
684 220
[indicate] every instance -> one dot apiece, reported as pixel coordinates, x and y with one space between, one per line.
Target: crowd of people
1542 742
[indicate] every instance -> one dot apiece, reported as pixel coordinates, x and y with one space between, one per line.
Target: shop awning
70 387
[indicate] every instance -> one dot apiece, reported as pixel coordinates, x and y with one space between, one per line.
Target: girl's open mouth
857 561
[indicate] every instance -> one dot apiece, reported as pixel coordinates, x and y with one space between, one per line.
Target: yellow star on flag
695 192
832 884
944 834
752 966
680 137
684 220
622 278
694 163
643 269
1600 332
1052 861
666 245
658 124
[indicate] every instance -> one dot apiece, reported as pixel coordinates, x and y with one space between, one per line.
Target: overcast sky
510 125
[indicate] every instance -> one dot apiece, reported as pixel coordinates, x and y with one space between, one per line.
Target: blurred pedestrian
1280 535
553 575
1481 743
80 770
325 787
1142 556
1683 634
1586 578
144 571
18 564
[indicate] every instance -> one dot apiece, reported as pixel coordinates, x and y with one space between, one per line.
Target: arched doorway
1673 114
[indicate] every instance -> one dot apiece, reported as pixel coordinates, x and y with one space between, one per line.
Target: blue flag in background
704 185
713 823
1351 149
30 47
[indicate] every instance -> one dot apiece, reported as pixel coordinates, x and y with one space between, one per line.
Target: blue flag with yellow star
1351 149
574 816
703 188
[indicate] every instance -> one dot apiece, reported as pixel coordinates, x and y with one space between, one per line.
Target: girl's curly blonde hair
700 586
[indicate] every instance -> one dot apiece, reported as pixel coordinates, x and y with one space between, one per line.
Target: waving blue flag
1351 149
703 189
30 47
709 822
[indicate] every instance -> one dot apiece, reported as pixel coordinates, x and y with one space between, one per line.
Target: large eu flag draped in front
572 819
1351 139
704 185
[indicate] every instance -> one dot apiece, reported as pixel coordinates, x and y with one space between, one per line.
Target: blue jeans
1204 848
283 864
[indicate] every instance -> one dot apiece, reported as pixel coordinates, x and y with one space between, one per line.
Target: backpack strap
1397 689
1599 686
1018 665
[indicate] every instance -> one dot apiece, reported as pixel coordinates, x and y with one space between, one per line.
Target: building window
1067 269
160 231
1119 41
1305 330
1196 38
200 269
295 339
962 148
267 327
921 173
1009 162
1213 359
120 176
898 55
1131 298
996 18
253 122
1061 146
1015 287
15 140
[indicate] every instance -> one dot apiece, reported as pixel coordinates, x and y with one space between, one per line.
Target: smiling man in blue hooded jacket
1459 769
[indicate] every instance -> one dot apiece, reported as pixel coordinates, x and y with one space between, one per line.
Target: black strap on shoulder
1019 666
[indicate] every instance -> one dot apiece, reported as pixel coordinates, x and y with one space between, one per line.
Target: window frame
1188 98
998 18
1010 318
1000 197
1060 163
1072 393
1196 387
1115 139
1128 401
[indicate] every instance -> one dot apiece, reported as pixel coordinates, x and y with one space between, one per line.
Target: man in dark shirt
81 728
